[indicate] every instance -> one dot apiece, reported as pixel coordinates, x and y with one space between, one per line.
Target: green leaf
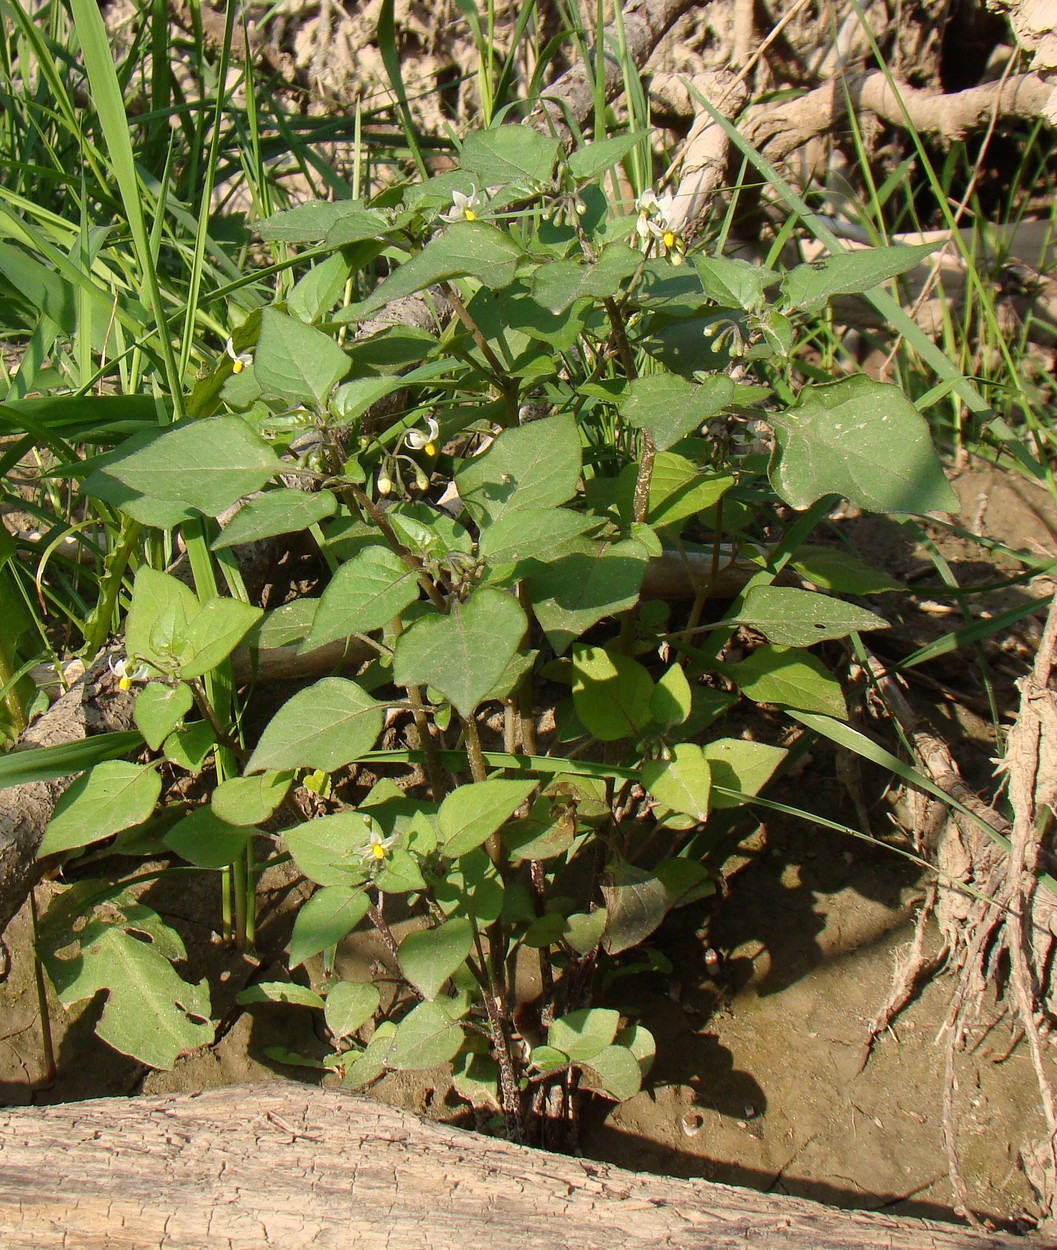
150 1013
366 593
734 283
472 249
158 617
790 678
636 903
296 363
611 693
281 511
576 591
424 1038
738 764
350 1004
841 572
202 465
214 633
683 783
678 489
531 534
249 800
686 880
401 874
508 155
588 161
315 294
799 618
329 850
671 700
861 439
428 957
19 768
472 887
617 1071
584 930
546 930
546 832
189 746
641 1043
313 222
112 797
583 1034
471 814
206 841
330 724
530 467
476 1078
669 407
809 286
159 709
548 1059
370 1065
558 285
465 653
328 917
280 992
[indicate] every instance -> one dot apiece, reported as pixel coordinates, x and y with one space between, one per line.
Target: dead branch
780 130
291 1166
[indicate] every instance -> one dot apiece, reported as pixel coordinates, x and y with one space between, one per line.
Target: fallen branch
290 1166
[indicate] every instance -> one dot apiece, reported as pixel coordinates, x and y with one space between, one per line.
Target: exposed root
1000 928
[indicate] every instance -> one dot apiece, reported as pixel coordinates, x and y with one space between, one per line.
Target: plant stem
438 781
364 501
46 1040
495 1007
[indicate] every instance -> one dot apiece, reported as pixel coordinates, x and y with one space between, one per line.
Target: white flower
424 440
239 361
377 849
656 220
119 666
463 207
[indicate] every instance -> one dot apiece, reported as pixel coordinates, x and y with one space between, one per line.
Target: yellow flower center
237 366
124 683
430 449
469 214
377 850
669 238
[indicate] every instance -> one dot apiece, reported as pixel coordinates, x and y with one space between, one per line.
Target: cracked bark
290 1166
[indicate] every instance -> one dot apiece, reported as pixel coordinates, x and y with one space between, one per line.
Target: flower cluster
424 441
655 224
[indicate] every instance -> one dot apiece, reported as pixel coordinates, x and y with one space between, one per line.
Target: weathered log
291 1166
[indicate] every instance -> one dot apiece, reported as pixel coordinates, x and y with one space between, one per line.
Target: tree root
999 928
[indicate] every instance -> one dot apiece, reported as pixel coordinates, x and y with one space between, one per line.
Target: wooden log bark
292 1166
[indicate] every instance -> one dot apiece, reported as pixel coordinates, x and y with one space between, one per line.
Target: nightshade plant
587 407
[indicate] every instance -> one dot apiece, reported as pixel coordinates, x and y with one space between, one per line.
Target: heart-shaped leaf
159 709
330 915
683 782
428 957
471 814
861 439
112 797
350 1004
462 654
